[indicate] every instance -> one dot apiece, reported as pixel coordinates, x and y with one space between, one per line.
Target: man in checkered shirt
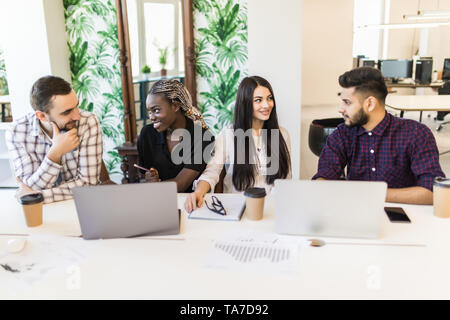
56 147
377 146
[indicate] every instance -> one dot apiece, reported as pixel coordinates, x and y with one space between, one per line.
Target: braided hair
175 91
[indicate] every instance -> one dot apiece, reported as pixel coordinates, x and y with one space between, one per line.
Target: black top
154 152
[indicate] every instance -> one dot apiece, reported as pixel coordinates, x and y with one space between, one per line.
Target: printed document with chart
247 250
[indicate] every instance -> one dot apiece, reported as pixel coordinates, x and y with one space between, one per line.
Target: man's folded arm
44 177
425 166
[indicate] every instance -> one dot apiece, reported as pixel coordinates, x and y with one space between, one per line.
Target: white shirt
224 156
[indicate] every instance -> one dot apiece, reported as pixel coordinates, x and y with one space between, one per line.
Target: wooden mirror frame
128 150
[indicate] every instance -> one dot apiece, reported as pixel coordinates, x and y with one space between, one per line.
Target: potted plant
163 60
146 70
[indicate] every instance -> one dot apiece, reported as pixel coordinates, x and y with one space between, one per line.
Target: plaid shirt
28 147
399 151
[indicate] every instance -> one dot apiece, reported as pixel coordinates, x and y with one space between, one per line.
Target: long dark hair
244 174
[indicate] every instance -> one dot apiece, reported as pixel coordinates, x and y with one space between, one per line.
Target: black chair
319 130
445 89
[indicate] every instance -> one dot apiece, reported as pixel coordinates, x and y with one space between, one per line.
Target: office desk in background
413 85
418 103
172 267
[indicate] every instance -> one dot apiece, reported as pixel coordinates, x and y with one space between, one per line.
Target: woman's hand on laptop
194 201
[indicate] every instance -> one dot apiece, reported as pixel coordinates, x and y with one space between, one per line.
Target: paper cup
254 203
32 208
441 197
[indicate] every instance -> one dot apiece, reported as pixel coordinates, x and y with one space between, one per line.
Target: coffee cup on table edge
32 208
441 197
254 202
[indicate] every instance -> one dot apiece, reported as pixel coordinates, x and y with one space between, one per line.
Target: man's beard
70 125
360 119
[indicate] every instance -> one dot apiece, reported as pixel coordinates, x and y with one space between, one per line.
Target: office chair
319 130
445 89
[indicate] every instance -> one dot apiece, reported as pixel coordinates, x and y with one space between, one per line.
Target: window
155 25
367 42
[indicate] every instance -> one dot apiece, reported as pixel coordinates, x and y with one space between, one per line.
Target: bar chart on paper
254 253
247 253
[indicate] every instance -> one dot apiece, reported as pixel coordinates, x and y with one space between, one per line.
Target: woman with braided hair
177 144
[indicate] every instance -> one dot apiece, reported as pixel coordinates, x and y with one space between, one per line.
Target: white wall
57 39
274 52
327 48
35 45
404 43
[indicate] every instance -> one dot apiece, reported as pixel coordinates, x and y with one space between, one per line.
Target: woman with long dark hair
254 151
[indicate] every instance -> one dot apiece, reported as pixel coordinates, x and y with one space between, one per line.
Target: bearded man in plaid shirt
56 147
377 146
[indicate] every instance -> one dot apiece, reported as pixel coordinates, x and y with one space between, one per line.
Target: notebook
234 205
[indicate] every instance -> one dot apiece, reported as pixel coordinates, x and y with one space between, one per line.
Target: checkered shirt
401 152
28 147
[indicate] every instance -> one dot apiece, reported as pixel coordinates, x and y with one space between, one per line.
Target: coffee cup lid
255 192
442 182
31 198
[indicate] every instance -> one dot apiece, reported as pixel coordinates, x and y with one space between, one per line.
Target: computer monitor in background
396 69
368 63
446 70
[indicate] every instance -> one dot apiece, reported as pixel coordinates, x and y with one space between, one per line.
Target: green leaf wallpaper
221 45
221 49
95 68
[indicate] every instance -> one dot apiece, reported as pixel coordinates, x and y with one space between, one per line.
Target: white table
172 267
418 103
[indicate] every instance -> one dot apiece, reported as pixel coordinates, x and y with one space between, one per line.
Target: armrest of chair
104 175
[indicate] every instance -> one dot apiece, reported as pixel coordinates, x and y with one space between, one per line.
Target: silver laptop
129 210
350 209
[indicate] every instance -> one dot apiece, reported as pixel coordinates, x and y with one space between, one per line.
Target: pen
139 167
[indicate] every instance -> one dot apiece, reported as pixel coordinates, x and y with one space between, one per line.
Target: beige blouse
224 156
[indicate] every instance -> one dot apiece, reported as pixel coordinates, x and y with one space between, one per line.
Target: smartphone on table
397 215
